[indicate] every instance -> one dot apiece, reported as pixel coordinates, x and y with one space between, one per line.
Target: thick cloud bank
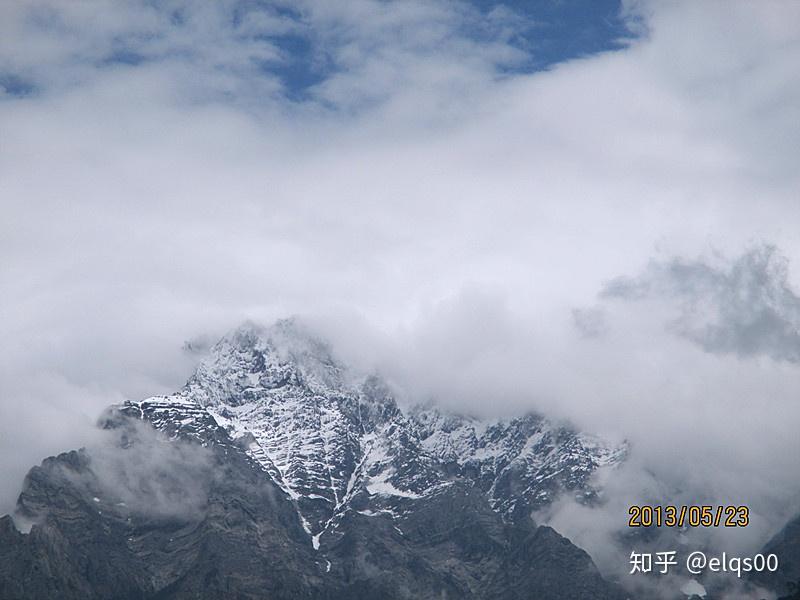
613 240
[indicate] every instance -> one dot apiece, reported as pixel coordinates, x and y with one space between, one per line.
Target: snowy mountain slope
327 437
276 473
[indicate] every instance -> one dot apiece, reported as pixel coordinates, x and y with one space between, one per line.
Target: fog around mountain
610 240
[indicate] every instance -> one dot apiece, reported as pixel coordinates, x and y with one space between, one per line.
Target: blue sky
545 32
560 30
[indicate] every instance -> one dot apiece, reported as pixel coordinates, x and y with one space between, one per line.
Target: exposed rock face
323 433
275 473
786 546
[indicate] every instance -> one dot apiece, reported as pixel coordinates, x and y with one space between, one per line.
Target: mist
707 423
610 241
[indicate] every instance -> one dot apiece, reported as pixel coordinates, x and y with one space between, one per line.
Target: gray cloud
746 307
150 474
590 322
438 218
130 469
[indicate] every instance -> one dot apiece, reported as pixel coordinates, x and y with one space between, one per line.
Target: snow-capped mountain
328 437
277 473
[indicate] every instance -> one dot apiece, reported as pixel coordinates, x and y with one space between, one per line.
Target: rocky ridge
325 435
276 473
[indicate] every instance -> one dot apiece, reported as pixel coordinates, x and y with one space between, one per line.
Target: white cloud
457 211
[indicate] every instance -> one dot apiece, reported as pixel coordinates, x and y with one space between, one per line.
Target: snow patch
693 588
384 488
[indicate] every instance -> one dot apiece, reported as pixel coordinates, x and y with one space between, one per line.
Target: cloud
131 469
705 425
590 322
254 54
149 474
444 212
54 46
748 308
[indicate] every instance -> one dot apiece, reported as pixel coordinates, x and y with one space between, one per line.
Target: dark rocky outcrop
276 474
233 533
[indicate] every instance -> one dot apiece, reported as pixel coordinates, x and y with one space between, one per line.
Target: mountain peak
346 466
253 357
289 338
333 440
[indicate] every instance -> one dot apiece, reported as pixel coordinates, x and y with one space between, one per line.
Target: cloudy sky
590 210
